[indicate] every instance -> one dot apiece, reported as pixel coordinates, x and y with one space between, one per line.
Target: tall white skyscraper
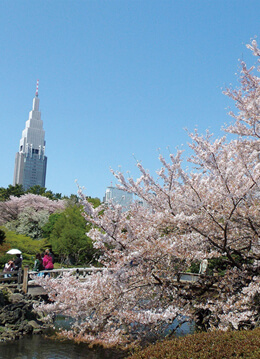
30 161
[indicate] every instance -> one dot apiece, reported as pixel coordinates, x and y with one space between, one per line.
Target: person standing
38 265
52 255
9 266
47 260
18 262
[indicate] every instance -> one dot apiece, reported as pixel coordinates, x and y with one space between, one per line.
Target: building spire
30 160
37 88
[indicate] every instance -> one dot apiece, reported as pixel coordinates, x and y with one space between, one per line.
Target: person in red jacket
47 260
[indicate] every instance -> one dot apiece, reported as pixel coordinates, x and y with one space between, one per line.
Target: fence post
19 277
77 273
25 279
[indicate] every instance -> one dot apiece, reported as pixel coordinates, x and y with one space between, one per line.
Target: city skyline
119 81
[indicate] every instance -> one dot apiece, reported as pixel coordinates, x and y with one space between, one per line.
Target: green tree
48 227
29 222
49 194
42 191
68 237
95 201
28 246
37 189
16 191
2 237
74 199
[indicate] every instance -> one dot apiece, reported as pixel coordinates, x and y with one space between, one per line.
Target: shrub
217 345
28 246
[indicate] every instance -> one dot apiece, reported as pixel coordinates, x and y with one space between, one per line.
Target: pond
42 347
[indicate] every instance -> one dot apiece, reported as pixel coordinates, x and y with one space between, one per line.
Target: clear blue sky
117 78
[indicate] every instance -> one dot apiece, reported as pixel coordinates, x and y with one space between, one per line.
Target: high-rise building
30 161
118 196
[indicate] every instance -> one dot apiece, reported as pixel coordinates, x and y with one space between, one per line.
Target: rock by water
17 316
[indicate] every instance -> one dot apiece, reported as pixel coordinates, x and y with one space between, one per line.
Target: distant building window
118 196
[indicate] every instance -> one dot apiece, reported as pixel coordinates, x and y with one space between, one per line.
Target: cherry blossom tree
29 222
211 211
28 214
10 209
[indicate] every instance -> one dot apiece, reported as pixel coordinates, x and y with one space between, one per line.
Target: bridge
24 279
30 287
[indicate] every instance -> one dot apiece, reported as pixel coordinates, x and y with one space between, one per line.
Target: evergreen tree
2 237
16 190
68 237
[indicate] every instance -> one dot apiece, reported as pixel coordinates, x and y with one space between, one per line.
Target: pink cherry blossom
211 211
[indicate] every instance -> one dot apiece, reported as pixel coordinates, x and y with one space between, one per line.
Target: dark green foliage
37 189
217 345
2 237
194 267
42 191
16 191
221 264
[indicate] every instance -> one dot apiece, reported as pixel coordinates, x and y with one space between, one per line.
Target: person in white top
9 266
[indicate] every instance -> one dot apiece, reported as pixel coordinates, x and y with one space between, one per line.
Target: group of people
44 261
13 265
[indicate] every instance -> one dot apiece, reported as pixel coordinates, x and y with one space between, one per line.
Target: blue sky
117 78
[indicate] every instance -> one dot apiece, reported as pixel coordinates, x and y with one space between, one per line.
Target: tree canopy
2 236
210 212
18 191
28 246
10 209
67 235
35 216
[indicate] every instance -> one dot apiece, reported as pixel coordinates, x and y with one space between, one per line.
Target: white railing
81 273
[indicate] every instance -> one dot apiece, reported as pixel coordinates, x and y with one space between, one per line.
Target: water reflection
179 331
39 347
42 347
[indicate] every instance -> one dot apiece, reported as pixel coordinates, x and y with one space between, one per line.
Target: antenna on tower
37 88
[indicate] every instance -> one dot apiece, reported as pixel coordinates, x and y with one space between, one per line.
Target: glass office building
118 196
30 161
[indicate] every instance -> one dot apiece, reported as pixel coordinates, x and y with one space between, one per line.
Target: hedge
217 345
